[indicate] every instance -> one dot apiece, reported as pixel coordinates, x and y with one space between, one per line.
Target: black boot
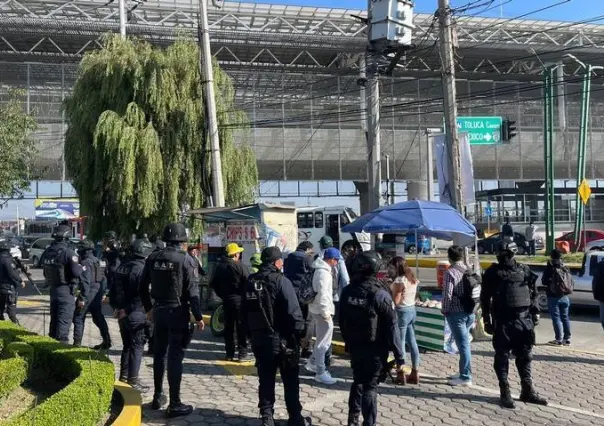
506 400
179 410
267 419
105 346
137 385
77 343
353 420
529 396
299 421
159 399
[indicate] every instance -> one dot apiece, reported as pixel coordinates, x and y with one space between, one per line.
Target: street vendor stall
431 219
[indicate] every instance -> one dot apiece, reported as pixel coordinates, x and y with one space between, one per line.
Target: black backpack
471 284
306 293
561 282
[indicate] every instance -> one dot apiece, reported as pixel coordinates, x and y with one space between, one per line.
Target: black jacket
387 332
288 322
125 291
597 283
230 278
296 266
9 275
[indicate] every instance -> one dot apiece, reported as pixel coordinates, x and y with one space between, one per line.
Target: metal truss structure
287 61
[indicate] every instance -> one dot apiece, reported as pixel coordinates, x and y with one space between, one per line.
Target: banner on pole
443 162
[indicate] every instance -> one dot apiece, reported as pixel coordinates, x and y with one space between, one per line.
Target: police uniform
62 272
9 282
90 298
368 323
509 307
111 256
129 311
174 278
276 325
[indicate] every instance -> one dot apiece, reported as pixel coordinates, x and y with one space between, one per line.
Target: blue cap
332 253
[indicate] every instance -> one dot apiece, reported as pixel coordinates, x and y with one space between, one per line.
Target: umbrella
427 218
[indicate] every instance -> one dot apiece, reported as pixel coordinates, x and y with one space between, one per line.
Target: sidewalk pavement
226 393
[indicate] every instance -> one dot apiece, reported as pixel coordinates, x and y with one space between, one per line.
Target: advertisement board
47 208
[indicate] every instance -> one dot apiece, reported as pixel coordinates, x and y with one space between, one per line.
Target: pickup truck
582 293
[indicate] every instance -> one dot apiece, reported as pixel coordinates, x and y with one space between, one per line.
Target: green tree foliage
136 146
17 146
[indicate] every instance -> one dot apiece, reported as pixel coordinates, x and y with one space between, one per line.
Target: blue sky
573 10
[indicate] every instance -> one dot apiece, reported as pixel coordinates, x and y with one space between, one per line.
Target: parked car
591 235
595 245
492 243
411 246
36 250
582 291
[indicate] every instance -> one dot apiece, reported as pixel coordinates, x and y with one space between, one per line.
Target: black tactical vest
361 314
513 289
54 268
166 277
259 304
122 280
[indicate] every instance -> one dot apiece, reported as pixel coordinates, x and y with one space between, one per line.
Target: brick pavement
226 393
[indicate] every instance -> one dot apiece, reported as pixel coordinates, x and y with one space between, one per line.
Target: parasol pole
416 256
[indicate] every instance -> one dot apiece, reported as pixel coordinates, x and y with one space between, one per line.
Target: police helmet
5 245
159 244
141 248
326 241
85 245
175 233
110 236
61 232
368 263
508 247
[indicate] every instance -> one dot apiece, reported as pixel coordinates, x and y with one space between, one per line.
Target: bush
13 372
19 350
91 375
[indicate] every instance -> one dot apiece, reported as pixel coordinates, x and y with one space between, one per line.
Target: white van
317 222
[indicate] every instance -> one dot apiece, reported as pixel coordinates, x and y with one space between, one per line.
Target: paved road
225 393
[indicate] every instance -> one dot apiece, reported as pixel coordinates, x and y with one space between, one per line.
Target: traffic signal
508 130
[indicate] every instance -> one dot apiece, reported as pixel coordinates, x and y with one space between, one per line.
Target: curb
432 263
132 413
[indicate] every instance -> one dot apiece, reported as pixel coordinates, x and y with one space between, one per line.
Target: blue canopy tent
427 218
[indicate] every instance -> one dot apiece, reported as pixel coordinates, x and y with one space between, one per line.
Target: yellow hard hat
233 248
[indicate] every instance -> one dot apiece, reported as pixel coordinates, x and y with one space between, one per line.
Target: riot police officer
9 281
90 298
276 325
62 272
174 278
509 309
128 309
368 324
111 256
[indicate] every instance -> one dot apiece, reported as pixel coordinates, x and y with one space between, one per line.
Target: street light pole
122 12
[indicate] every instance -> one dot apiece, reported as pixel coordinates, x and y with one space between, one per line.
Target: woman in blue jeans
404 291
558 301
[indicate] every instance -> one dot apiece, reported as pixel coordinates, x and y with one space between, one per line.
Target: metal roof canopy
222 214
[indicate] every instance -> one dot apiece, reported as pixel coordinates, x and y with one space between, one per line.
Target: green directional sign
481 130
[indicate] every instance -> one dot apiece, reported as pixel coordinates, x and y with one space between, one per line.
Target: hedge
84 400
13 372
19 350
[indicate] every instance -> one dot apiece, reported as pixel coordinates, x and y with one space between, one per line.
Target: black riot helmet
175 233
5 245
110 236
367 263
506 248
61 232
84 246
141 248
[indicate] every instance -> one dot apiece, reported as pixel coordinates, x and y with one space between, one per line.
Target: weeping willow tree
136 145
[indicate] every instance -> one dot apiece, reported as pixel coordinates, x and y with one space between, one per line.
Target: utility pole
450 105
373 125
207 75
430 162
122 12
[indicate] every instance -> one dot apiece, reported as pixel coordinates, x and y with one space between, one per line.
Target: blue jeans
602 313
406 323
558 309
460 324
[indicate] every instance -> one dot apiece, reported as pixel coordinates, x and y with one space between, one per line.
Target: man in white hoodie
322 310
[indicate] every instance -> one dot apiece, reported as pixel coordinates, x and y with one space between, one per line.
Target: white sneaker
453 377
325 378
310 367
460 382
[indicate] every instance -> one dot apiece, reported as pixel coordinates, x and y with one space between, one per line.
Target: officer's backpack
306 293
561 283
471 284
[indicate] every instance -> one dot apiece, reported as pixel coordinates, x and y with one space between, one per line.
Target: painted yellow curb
30 303
131 414
431 263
